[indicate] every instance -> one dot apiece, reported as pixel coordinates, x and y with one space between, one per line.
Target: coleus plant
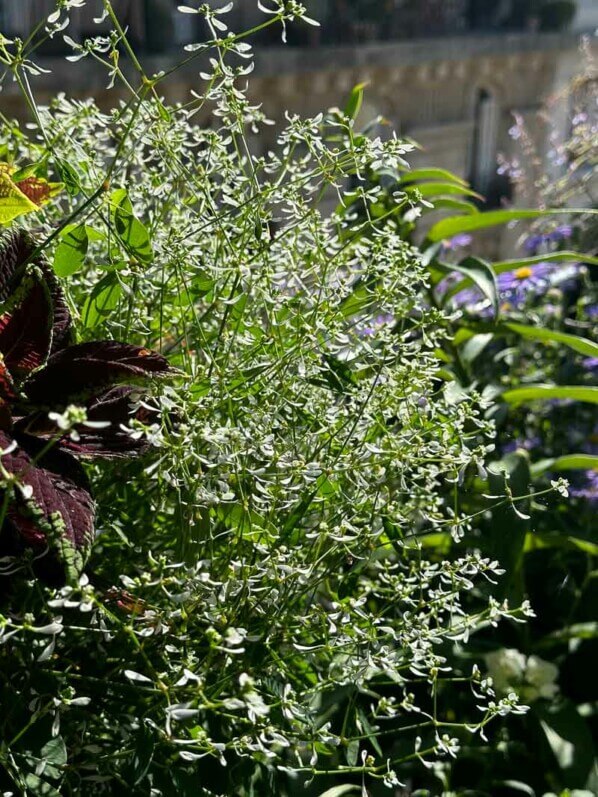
59 401
22 191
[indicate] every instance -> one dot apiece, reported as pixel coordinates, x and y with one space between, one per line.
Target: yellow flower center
523 273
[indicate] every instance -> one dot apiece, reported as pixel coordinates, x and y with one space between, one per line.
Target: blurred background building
448 73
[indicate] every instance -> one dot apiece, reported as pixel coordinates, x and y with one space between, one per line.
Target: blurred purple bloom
587 488
528 444
590 445
592 311
533 243
376 324
459 241
590 363
562 233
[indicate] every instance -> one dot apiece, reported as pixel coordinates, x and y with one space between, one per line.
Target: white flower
561 486
530 677
542 675
506 667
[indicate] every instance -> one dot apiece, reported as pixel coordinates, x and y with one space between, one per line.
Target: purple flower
534 242
528 444
591 311
561 233
587 488
516 287
376 324
590 363
460 241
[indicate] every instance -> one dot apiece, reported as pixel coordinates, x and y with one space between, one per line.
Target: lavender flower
588 488
460 241
534 242
376 324
516 287
528 444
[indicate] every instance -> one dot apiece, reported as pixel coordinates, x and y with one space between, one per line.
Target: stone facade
454 95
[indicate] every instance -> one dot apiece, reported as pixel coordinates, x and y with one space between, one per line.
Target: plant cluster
312 579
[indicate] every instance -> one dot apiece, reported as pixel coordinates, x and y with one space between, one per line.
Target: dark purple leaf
87 368
7 390
117 407
16 249
26 326
52 505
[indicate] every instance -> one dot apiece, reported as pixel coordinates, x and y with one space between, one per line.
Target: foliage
524 333
309 577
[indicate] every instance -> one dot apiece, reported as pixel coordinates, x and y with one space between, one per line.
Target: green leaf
137 767
575 342
539 540
13 202
368 731
69 177
568 462
554 257
39 787
339 791
479 272
355 101
509 529
54 752
447 228
519 395
570 741
361 298
352 752
454 204
132 233
432 174
71 251
473 347
102 301
433 189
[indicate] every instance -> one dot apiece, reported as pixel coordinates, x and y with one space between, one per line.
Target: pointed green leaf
447 228
433 189
432 174
553 257
521 395
575 342
568 462
355 101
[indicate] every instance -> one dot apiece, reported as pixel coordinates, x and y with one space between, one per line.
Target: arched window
483 150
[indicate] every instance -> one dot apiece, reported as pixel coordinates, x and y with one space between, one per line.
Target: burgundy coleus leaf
85 369
8 393
50 504
17 251
38 191
26 326
115 408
